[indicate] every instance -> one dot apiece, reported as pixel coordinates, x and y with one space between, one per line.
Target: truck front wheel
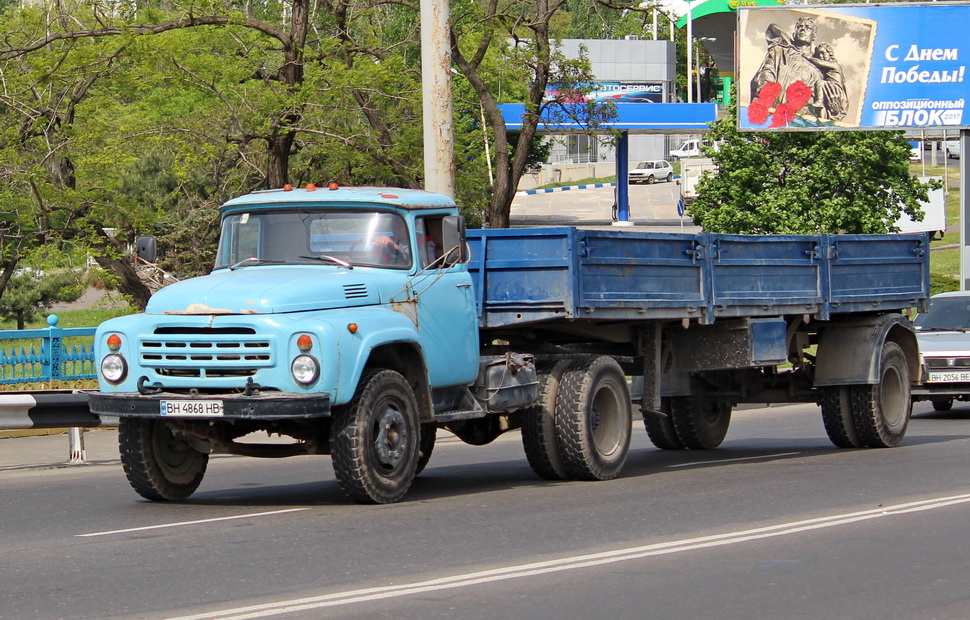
429 433
701 423
881 412
593 419
159 465
375 439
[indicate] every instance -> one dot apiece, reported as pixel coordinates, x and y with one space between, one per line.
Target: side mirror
146 248
453 239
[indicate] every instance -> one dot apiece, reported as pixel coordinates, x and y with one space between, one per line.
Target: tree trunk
277 170
9 266
126 281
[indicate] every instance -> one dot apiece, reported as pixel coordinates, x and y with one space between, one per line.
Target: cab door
447 315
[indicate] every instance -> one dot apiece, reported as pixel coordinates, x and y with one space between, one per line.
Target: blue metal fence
40 355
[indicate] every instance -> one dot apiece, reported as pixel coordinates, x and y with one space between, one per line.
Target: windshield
946 313
366 238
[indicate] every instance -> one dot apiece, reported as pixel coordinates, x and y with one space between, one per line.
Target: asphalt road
775 524
652 207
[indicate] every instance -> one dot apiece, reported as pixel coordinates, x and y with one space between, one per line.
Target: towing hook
145 390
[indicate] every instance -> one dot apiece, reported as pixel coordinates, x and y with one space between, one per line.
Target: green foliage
942 283
41 282
806 182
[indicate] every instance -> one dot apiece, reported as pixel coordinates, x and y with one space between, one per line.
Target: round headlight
305 369
114 368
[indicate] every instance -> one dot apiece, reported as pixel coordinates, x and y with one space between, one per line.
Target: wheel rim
391 437
892 394
177 460
711 414
605 422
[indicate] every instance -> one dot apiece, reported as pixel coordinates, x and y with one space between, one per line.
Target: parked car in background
952 149
651 171
943 334
691 148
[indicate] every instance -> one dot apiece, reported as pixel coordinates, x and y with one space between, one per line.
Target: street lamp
690 52
699 64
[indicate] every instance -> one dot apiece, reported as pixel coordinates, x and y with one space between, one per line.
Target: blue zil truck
360 322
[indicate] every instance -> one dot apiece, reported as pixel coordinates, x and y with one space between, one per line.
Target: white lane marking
520 571
743 458
181 523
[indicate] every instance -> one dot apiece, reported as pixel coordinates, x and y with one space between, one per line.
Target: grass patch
88 317
591 181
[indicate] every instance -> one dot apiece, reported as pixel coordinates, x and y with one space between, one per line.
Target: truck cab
316 295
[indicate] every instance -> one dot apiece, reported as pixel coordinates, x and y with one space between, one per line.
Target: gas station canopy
716 21
632 118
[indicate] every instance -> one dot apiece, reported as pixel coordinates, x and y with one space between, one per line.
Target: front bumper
951 390
264 406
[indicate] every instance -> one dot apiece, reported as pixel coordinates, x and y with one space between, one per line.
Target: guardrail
43 356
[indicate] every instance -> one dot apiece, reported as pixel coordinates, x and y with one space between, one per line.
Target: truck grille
205 352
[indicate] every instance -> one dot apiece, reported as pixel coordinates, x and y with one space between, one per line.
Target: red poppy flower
797 95
757 112
768 93
784 114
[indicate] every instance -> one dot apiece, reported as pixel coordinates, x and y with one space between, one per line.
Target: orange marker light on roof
287 188
333 185
304 342
310 187
114 342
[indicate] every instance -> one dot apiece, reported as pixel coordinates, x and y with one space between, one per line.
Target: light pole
690 52
699 64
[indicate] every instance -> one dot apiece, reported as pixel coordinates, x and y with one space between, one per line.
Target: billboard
831 67
617 92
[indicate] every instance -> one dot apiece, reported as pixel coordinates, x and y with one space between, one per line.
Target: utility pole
437 104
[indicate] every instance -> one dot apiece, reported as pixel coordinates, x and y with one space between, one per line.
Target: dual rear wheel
580 429
695 422
871 416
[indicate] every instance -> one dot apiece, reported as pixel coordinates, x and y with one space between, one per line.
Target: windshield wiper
253 260
330 259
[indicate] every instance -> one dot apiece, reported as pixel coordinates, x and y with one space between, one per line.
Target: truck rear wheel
593 419
374 439
701 423
881 412
837 417
539 425
660 429
159 465
942 404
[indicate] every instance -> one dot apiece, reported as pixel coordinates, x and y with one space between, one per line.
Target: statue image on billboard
807 68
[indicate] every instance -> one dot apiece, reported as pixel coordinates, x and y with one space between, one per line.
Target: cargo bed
528 275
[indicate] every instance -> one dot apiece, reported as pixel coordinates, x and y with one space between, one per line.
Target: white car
952 149
692 148
943 334
652 171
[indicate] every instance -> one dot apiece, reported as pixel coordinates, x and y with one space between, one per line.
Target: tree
226 102
518 36
33 289
806 182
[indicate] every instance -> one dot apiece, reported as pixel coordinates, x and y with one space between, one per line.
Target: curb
549 190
